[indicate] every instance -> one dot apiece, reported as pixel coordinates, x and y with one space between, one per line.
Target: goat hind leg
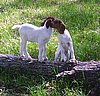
23 50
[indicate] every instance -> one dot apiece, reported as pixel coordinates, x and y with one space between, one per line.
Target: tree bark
88 71
16 63
49 68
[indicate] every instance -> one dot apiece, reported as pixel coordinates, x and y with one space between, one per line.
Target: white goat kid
41 35
65 47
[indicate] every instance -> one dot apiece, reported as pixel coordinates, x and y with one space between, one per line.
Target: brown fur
50 17
48 23
59 25
55 23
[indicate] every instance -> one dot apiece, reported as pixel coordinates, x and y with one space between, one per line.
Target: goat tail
16 26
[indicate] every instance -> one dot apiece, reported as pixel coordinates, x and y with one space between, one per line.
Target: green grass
81 18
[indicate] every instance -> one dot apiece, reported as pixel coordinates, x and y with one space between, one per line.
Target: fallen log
11 63
49 68
88 71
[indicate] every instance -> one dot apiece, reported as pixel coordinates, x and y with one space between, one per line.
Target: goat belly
32 38
32 35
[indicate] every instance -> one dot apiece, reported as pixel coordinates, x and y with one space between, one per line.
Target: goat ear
42 24
62 28
48 18
48 23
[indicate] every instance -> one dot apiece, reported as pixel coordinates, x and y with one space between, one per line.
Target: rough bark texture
87 71
11 63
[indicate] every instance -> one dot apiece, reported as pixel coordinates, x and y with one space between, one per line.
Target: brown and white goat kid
65 44
32 33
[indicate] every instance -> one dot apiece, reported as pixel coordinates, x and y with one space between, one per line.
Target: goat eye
68 44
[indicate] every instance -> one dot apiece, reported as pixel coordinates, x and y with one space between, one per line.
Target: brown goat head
59 25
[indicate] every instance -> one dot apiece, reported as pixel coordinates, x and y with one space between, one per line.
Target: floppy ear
48 23
62 28
42 24
50 17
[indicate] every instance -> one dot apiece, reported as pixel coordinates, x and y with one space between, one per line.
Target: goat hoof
29 59
45 59
62 60
73 61
22 58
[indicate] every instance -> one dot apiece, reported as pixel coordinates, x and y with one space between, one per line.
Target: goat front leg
63 56
73 60
44 57
40 52
57 53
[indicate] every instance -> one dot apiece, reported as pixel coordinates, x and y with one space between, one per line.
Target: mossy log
88 71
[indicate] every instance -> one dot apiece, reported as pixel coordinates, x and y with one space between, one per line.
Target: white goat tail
16 26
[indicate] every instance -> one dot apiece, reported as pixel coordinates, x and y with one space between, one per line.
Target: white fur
29 32
65 47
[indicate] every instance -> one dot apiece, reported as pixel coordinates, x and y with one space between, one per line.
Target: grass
81 18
